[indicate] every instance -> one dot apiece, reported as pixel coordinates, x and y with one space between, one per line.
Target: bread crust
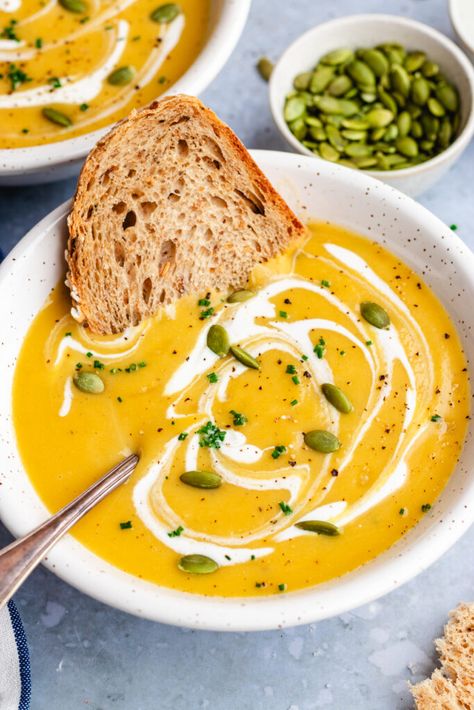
452 686
101 187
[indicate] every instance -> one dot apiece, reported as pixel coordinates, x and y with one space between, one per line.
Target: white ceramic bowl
366 31
56 161
313 188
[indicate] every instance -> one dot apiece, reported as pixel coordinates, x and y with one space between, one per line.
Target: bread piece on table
168 203
452 686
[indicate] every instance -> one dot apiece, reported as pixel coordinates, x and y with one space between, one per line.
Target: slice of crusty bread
168 203
452 686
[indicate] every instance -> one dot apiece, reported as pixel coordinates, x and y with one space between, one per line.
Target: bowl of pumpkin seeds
379 93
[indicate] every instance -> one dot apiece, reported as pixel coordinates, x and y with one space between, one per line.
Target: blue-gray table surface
85 654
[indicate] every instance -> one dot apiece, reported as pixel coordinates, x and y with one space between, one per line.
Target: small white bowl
365 31
461 13
56 161
313 188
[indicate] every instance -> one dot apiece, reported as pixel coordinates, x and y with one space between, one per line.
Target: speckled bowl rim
215 53
423 240
457 146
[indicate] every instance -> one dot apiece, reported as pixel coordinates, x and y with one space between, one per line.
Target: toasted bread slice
169 203
452 687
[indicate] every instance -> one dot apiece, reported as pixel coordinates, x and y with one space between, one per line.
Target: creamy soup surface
90 61
168 397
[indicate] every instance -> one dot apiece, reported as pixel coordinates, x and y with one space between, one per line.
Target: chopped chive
252 557
89 354
55 82
368 343
211 436
177 532
182 436
282 587
320 348
68 334
38 43
436 418
304 358
119 399
285 508
204 302
83 107
425 507
342 352
325 283
78 365
402 511
126 526
212 377
239 418
294 402
290 369
278 451
206 314
296 379
98 365
162 80
283 314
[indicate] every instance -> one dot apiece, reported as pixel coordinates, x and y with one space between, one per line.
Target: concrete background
85 654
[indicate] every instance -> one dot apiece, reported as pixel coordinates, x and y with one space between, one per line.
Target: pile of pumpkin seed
379 108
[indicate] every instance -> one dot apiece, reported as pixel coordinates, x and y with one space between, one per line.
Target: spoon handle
19 559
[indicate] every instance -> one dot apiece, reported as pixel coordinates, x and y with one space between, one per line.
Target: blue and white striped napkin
15 676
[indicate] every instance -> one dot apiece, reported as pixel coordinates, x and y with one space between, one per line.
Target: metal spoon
20 558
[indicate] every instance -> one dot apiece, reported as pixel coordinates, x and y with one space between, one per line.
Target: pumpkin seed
335 138
376 60
400 80
321 527
377 134
354 135
121 76
379 117
445 133
340 85
337 56
294 108
77 6
88 382
298 128
201 479
404 123
319 134
323 441
361 73
414 61
265 68
365 161
337 398
57 117
328 152
355 124
388 101
320 79
240 296
166 13
416 129
420 91
197 564
391 133
301 81
429 69
448 97
244 357
435 107
218 340
374 314
358 150
430 126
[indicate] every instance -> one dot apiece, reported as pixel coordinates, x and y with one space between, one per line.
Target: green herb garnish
285 508
55 82
290 369
9 31
83 107
183 436
296 379
283 314
320 348
204 302
436 418
211 436
325 283
206 314
177 532
212 377
126 526
17 76
425 507
239 419
278 451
